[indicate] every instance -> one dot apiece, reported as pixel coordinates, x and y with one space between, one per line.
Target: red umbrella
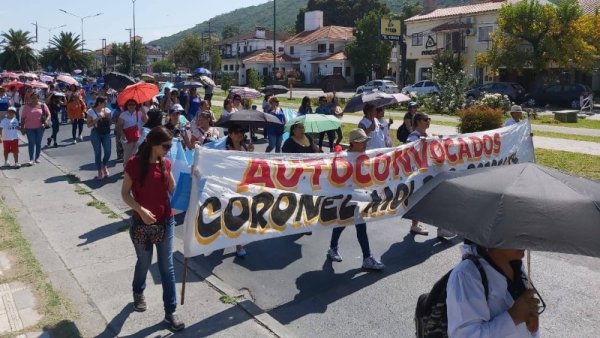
139 92
67 79
37 84
11 84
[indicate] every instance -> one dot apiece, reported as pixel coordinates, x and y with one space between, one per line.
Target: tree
187 51
123 52
368 50
163 66
229 31
448 73
340 12
254 81
17 53
65 53
226 82
533 35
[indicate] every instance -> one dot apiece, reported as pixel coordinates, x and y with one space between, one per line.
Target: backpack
431 314
402 133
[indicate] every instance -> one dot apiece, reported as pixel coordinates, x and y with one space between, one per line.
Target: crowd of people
148 182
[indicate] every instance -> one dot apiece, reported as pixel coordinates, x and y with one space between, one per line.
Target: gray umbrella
523 206
378 99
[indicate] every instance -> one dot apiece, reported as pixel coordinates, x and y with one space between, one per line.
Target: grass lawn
549 120
574 163
56 310
567 136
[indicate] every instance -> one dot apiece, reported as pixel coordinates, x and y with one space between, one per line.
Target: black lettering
308 206
232 222
328 209
389 196
281 216
373 205
402 193
209 229
258 216
347 209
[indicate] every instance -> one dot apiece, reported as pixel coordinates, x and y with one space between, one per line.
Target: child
10 136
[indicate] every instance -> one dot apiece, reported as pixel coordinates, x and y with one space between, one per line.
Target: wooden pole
185 262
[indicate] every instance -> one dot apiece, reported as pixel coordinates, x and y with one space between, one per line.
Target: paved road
291 279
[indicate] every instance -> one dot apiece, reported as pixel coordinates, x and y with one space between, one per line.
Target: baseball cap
358 135
176 108
412 104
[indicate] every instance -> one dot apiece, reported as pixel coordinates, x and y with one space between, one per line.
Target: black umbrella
274 90
118 81
188 84
378 99
249 119
523 206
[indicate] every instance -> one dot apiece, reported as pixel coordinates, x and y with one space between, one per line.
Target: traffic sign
390 29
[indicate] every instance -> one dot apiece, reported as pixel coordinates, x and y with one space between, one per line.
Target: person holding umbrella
508 309
305 107
275 133
358 144
129 126
299 142
201 130
192 106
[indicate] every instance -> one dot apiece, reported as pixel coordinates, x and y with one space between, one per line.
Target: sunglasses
166 146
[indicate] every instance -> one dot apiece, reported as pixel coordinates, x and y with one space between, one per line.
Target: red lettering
420 156
497 144
437 152
452 158
361 179
401 159
381 175
463 150
292 181
337 179
258 172
488 145
477 146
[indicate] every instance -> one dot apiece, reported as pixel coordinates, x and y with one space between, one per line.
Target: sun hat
176 108
12 109
516 109
358 135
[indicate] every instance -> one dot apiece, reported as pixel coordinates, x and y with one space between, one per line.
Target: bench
568 116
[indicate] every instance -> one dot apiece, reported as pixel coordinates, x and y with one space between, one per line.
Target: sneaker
17 165
417 230
371 263
6 164
139 302
31 163
80 139
37 161
174 322
334 255
74 141
441 233
240 251
55 145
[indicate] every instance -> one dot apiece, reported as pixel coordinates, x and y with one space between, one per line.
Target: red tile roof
267 56
589 6
333 57
252 36
465 10
327 32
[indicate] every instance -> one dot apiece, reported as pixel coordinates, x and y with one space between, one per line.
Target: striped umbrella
246 93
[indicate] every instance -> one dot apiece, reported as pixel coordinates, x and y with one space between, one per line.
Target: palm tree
65 53
17 54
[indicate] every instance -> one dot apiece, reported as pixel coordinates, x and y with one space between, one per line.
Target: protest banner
242 197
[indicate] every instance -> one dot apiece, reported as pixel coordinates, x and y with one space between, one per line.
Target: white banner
242 197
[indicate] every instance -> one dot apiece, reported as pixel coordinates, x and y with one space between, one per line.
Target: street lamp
133 43
49 29
81 18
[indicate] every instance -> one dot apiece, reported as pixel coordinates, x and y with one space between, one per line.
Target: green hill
262 15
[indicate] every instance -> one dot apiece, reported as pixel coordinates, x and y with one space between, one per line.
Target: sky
153 18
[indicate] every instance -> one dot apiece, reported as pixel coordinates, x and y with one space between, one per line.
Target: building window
337 70
225 67
331 49
245 49
417 39
250 48
348 71
291 50
455 41
280 49
322 48
484 33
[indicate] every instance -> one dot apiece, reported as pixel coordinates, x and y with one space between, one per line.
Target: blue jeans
274 142
361 234
34 142
100 142
164 253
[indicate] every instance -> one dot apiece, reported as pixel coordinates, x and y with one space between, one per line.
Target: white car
386 86
422 88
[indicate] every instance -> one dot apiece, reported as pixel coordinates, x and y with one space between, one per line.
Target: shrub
226 82
479 118
254 81
496 101
453 82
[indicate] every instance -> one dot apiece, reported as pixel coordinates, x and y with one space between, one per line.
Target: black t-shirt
291 146
54 111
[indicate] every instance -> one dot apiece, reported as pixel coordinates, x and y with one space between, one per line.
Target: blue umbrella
202 70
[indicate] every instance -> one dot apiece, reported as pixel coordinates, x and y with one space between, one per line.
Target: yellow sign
390 27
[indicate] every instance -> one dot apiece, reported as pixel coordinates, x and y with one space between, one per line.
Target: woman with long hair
55 104
129 126
147 183
305 107
236 141
33 118
99 119
76 113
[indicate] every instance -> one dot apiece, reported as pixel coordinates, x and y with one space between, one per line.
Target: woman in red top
147 183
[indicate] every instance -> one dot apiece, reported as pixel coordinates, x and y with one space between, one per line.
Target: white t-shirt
377 136
510 122
10 128
131 119
386 131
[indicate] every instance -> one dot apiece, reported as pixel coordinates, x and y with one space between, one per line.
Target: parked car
381 85
560 94
422 87
515 92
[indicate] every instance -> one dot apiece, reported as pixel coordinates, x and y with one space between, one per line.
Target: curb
260 316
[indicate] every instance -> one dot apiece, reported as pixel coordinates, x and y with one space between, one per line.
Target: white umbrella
207 81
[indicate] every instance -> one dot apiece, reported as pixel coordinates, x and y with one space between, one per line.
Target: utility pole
209 47
36 31
402 51
133 43
131 54
274 38
103 56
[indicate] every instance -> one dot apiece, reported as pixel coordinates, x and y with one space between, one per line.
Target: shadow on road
113 328
318 289
102 232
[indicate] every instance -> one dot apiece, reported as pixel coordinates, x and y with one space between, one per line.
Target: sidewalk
582 147
90 260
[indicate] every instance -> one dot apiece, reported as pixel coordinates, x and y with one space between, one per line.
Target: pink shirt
32 117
